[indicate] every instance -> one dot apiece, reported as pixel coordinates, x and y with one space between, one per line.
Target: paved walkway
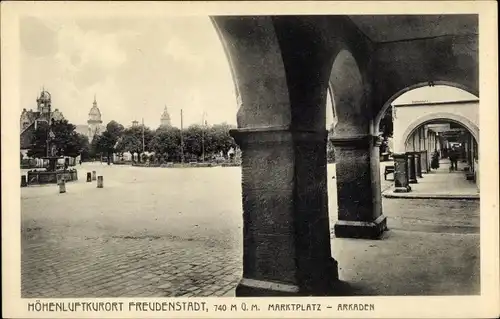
153 232
440 184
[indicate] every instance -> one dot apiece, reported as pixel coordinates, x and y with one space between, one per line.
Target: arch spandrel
402 66
396 95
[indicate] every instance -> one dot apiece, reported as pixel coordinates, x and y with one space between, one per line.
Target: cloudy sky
136 67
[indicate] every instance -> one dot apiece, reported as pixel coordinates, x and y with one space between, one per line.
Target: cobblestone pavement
164 232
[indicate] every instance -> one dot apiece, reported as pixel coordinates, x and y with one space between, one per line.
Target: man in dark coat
435 160
453 155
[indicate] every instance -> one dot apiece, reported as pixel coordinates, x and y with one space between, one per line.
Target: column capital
276 135
357 141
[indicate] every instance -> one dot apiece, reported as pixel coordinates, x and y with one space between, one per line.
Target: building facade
29 120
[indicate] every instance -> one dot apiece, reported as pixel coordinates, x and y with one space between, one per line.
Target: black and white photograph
184 156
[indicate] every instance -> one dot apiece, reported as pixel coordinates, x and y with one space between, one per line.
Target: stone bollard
89 177
100 182
24 181
62 186
94 175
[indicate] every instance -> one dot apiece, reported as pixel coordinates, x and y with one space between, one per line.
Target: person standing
435 160
453 159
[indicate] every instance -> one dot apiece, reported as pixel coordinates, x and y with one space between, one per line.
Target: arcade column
358 187
286 232
412 168
401 178
424 161
418 163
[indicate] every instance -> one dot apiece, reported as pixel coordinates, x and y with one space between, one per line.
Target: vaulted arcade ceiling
383 28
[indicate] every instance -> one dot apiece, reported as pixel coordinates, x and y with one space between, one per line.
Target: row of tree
116 139
165 141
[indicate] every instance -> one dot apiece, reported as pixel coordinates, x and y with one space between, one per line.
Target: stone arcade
282 68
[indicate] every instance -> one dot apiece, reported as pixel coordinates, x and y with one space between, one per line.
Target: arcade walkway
440 184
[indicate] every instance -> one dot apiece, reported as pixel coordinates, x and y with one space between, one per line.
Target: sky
136 67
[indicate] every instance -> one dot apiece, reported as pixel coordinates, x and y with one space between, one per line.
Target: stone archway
388 103
353 140
278 68
468 124
348 95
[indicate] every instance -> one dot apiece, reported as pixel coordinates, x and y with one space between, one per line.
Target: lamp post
182 140
50 134
203 127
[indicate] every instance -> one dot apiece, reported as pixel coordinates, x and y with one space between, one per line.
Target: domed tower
44 103
94 122
165 118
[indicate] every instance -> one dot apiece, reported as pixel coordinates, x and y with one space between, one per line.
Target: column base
357 229
413 181
262 288
406 189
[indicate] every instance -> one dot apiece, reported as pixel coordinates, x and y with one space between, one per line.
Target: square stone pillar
358 187
401 178
424 160
418 163
412 168
286 231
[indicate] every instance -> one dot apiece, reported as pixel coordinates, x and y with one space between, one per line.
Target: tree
386 124
131 140
67 142
109 139
93 147
105 145
107 142
219 138
83 141
193 141
115 130
386 129
166 141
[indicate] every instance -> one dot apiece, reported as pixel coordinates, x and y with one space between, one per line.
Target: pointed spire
95 100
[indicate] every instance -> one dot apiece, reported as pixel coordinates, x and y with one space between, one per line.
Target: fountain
52 174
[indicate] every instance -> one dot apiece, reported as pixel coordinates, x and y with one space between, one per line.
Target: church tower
165 118
44 104
94 122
